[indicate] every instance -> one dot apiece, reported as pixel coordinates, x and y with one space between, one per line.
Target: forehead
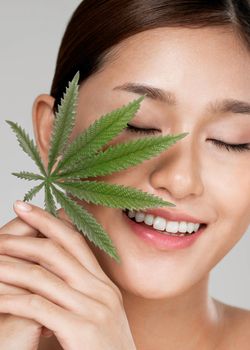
210 62
165 40
197 50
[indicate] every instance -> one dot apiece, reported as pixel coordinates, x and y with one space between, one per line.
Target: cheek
145 271
227 186
228 193
154 275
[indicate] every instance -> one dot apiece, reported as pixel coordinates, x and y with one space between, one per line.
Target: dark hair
97 25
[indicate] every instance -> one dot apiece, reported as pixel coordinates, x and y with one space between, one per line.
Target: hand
69 293
25 333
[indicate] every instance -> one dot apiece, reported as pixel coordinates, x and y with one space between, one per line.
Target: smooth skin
164 294
71 297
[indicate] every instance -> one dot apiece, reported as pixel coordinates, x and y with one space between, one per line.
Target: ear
43 118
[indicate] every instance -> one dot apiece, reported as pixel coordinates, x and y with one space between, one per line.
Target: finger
39 309
12 290
70 239
18 227
50 287
11 258
8 289
47 333
5 288
57 260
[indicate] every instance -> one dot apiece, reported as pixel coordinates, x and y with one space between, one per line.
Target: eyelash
236 148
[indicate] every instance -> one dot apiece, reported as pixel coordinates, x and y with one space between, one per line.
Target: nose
177 171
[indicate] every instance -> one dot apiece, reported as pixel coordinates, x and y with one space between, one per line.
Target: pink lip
160 240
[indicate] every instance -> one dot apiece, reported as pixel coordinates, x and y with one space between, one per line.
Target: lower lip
161 240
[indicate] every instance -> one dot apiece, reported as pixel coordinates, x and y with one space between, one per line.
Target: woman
194 56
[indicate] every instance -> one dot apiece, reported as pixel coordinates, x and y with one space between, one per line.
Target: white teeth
183 227
196 227
191 227
172 226
131 214
139 217
163 225
149 219
159 223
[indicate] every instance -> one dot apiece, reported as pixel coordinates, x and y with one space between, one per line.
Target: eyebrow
168 97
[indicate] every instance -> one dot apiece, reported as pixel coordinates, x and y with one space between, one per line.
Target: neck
190 321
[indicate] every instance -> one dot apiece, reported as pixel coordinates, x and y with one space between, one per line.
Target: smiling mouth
164 232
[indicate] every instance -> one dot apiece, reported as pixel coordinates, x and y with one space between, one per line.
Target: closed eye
226 146
232 147
141 130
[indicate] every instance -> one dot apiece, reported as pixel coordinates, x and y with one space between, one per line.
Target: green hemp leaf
82 158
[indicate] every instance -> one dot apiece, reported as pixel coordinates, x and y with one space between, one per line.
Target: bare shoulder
236 332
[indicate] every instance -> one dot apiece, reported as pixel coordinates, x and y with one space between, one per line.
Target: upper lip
173 215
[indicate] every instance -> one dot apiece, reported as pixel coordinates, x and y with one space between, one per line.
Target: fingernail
22 206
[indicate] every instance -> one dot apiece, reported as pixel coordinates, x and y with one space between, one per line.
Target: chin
143 280
153 290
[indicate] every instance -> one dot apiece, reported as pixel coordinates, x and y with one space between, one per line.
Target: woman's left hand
69 292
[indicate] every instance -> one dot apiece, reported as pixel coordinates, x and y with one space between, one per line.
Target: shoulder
236 330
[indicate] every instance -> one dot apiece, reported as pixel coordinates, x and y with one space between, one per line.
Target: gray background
30 34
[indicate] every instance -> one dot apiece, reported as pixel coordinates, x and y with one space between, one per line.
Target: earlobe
43 118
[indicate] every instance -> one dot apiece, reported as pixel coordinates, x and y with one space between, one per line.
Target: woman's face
200 67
